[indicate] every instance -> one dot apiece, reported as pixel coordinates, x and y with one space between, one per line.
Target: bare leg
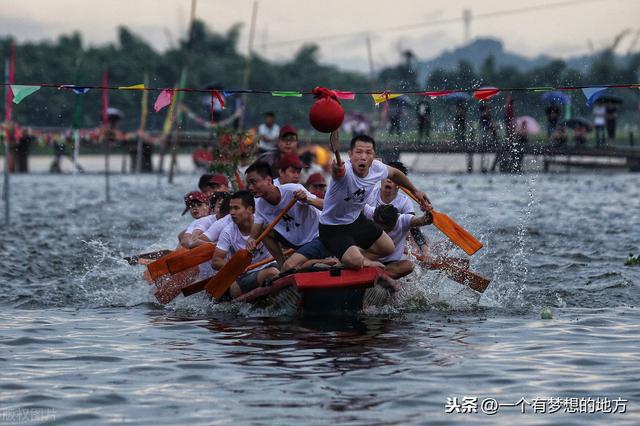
399 269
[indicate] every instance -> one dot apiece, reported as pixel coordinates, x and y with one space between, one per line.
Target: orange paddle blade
456 233
221 282
169 287
191 258
197 287
159 267
463 276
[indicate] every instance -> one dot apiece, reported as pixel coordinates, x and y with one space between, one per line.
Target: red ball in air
326 115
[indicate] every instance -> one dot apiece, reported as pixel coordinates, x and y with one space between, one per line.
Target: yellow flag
379 98
134 87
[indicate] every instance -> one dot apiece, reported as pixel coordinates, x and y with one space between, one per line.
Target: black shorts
338 238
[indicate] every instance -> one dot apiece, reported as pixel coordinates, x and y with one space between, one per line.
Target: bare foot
372 263
387 282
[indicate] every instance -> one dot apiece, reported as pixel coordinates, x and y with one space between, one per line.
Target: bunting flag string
166 95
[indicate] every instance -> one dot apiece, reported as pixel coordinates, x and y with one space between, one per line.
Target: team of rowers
361 219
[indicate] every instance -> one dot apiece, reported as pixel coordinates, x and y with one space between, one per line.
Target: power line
432 23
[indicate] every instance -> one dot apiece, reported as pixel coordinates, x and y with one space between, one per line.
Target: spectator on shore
202 157
423 114
460 123
611 117
23 148
488 133
268 133
599 111
554 113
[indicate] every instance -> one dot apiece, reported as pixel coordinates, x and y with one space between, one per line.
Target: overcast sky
529 27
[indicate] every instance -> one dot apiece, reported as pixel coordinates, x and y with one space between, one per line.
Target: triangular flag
20 92
134 87
592 93
287 94
164 99
78 90
344 95
484 93
379 98
437 93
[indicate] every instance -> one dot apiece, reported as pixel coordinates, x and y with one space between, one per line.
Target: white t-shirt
402 202
271 133
214 231
300 224
231 240
346 197
201 224
398 234
276 181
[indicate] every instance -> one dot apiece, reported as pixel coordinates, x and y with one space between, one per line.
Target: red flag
11 78
105 97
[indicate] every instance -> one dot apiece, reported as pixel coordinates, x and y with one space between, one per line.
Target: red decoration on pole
105 97
11 77
215 95
326 113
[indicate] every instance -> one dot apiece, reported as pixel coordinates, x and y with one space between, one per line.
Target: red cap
219 179
194 197
316 178
288 129
290 159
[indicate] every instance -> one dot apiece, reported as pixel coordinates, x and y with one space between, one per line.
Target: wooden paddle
159 267
463 276
153 255
238 263
197 287
193 257
449 227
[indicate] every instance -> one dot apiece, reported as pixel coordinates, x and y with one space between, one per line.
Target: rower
344 230
298 229
189 237
397 226
219 204
234 238
388 193
316 185
289 169
212 183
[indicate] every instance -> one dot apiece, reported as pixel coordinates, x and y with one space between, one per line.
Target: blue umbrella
556 98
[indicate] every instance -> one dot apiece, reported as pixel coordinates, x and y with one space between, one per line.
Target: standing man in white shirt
268 133
344 230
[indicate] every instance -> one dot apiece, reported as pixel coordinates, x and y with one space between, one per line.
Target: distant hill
479 49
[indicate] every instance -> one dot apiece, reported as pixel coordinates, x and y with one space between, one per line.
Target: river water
82 340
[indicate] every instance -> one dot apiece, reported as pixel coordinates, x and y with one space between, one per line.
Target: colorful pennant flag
379 98
485 93
164 99
437 93
344 95
285 94
592 93
134 87
20 92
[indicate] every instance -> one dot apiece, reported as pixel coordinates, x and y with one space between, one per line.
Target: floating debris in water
545 313
632 260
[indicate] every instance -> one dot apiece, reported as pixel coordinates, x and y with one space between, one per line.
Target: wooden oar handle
275 221
335 146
